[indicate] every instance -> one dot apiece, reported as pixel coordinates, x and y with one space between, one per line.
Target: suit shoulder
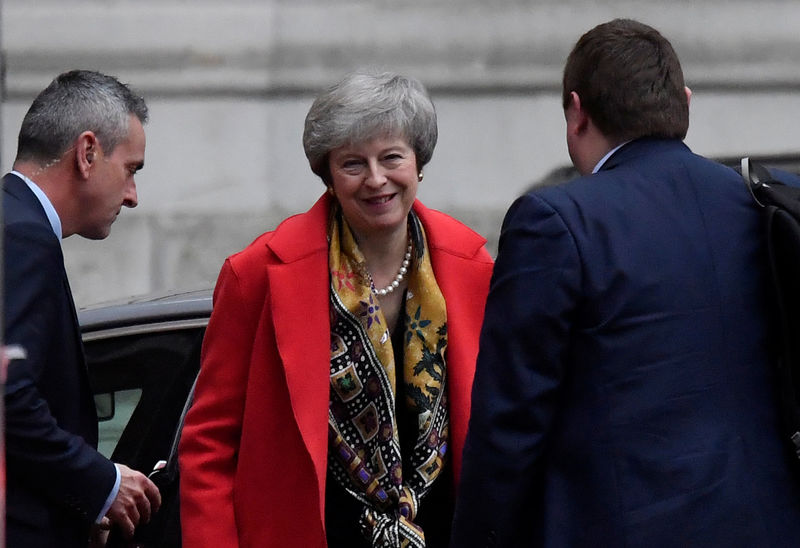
295 238
553 199
244 273
255 255
31 241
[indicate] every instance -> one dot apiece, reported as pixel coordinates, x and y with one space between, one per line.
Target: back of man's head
74 102
629 80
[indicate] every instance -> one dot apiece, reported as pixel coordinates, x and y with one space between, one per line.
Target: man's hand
98 537
138 498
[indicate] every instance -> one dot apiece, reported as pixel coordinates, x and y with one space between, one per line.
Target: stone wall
229 85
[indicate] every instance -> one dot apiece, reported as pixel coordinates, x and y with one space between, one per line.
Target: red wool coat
253 455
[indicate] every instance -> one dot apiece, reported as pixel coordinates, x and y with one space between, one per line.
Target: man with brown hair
623 393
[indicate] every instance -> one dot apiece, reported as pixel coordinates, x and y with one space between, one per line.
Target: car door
142 376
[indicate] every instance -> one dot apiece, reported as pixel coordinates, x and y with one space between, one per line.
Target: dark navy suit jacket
57 483
623 393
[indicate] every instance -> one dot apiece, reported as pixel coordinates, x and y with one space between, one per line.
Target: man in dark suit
80 144
623 394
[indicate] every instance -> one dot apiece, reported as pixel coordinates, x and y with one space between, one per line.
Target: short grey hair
74 102
367 105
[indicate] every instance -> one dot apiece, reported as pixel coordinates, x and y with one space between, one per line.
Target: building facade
229 84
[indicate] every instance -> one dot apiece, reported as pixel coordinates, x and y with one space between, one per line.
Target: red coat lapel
299 297
463 270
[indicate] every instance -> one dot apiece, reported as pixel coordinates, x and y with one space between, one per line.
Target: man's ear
688 93
87 151
577 119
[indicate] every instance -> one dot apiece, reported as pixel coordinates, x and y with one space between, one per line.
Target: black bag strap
755 178
780 204
768 191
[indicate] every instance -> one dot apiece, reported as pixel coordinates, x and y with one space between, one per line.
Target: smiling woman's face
375 183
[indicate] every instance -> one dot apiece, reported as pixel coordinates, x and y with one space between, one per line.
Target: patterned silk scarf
364 446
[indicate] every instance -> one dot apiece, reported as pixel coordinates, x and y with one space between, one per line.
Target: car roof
174 306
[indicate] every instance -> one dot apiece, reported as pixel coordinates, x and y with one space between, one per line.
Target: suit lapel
453 247
90 431
299 298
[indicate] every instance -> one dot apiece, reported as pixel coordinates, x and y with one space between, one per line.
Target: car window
114 410
141 379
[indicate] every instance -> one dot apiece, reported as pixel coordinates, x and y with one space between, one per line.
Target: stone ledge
277 48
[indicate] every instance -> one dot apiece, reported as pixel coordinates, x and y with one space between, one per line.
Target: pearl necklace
397 279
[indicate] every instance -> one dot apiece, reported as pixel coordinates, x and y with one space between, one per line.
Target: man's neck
608 155
54 182
595 147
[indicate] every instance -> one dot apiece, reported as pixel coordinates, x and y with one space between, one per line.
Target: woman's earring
331 191
421 175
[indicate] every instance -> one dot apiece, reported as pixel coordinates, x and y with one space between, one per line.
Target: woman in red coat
333 397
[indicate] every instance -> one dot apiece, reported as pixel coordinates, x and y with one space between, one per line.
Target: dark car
143 357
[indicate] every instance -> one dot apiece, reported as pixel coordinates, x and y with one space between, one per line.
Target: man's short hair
629 81
74 102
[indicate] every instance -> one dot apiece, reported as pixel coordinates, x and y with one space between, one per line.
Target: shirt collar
607 156
50 211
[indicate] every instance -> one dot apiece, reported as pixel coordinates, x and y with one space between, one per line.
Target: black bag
780 206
